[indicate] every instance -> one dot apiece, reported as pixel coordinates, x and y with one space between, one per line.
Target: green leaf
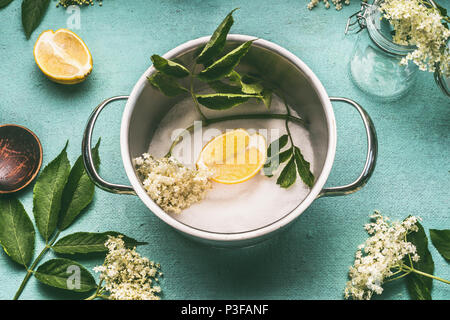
217 41
78 192
419 287
267 97
222 101
234 77
226 64
197 51
442 10
88 242
32 13
441 241
274 162
47 194
251 85
281 157
288 175
221 87
303 168
4 3
166 84
16 230
285 155
277 145
168 67
65 274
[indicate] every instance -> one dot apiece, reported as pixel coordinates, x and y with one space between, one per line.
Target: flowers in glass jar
418 23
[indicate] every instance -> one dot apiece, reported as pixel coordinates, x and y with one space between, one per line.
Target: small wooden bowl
20 157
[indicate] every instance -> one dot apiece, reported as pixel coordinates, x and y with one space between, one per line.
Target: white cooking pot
305 94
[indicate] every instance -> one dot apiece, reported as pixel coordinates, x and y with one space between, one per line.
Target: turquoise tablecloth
308 261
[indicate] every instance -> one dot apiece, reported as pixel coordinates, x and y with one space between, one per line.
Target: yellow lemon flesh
62 56
234 156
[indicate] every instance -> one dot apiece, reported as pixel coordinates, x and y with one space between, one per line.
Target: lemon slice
234 156
62 56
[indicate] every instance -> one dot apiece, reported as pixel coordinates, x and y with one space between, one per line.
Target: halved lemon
234 156
62 56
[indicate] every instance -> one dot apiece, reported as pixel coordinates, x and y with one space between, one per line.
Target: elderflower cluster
170 184
380 255
126 275
337 3
66 3
417 25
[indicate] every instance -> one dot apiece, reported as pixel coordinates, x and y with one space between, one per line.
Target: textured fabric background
308 261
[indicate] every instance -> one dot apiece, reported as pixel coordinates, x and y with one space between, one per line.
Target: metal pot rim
247 235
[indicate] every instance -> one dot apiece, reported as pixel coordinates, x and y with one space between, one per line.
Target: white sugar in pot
146 107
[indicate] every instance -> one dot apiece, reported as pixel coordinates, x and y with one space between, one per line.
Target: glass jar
375 65
442 81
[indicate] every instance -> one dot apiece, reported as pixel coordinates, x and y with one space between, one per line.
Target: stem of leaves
407 270
399 277
98 292
296 163
191 90
286 123
33 266
411 269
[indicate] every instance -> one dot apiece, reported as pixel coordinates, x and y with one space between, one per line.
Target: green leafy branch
296 163
230 90
60 195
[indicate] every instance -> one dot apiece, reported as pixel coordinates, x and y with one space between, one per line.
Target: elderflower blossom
66 3
337 3
417 25
170 184
127 275
379 255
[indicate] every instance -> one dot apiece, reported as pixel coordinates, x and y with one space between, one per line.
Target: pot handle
371 159
86 151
